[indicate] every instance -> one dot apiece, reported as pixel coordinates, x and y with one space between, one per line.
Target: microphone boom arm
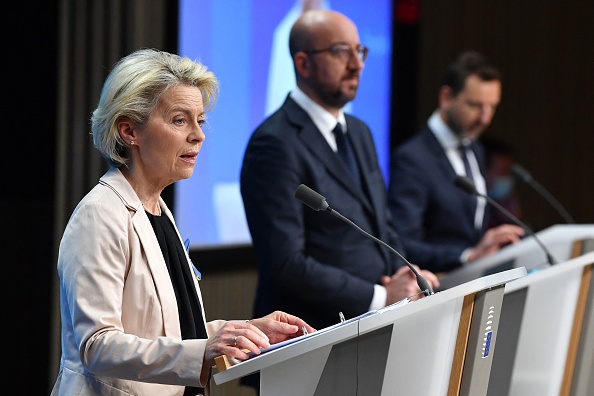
422 282
527 178
318 203
467 185
550 258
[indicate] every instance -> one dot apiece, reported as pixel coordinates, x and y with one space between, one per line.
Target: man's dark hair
466 64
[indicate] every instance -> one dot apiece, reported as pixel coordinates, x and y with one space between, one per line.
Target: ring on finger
235 341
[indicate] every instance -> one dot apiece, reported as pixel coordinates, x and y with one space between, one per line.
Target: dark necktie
464 149
346 153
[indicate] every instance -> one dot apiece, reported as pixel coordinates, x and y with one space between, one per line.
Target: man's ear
126 130
302 64
445 95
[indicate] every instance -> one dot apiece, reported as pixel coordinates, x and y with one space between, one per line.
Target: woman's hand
236 339
280 326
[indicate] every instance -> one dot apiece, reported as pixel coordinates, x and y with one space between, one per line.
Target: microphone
465 184
524 176
318 203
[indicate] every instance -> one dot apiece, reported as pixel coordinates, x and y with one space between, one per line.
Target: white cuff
379 297
464 255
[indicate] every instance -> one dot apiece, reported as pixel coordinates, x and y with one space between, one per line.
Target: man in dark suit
441 225
312 263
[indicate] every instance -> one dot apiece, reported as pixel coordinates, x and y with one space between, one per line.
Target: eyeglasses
344 52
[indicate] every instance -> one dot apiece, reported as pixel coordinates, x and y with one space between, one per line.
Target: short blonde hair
134 87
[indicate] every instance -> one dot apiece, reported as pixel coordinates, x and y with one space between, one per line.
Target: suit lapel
362 156
318 146
449 174
371 199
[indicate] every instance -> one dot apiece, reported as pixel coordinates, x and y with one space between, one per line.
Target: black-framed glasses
344 52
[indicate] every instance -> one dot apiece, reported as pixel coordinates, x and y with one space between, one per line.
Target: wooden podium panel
543 318
411 349
559 239
582 379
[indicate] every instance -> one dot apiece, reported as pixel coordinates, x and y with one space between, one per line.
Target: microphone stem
422 282
550 258
554 203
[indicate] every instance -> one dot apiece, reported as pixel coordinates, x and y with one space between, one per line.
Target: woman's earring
131 142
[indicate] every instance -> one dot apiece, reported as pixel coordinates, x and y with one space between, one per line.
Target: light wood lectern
439 345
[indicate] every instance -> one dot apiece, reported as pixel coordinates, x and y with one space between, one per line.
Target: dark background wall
29 69
543 48
543 51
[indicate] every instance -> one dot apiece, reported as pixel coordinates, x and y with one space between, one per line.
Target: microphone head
311 198
522 174
465 184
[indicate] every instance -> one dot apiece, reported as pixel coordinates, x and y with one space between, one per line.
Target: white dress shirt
450 144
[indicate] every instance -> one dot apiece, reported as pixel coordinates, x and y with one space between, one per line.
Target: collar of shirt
445 136
448 141
323 120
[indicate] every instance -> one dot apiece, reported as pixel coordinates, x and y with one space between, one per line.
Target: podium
439 345
546 333
564 241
